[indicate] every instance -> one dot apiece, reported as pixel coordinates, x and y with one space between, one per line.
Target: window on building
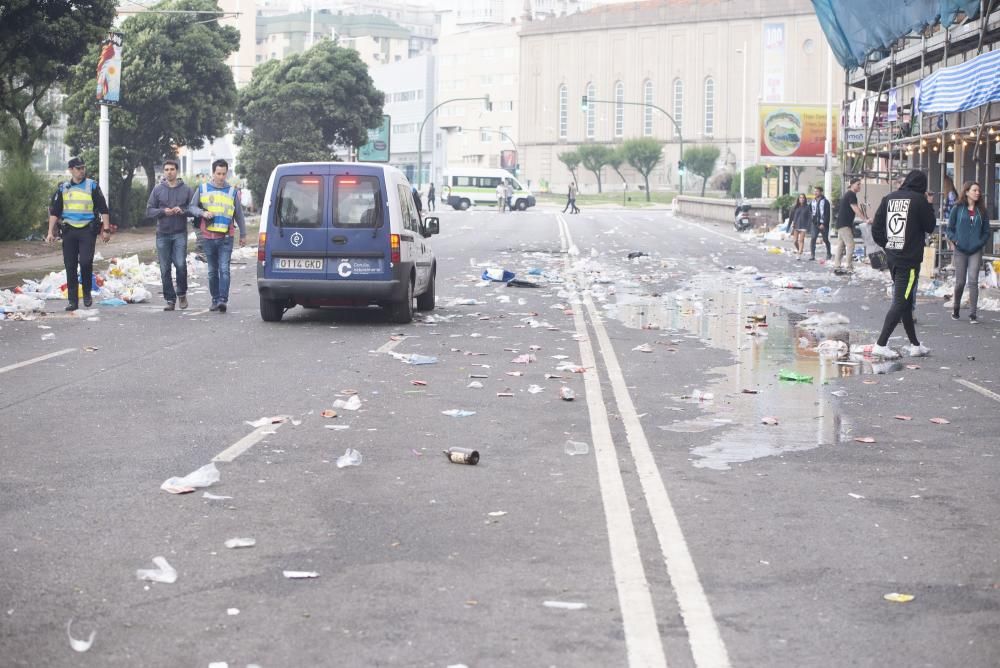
563 112
647 112
505 105
709 106
678 105
619 109
485 134
591 111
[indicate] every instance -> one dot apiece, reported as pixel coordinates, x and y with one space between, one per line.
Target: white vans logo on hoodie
897 211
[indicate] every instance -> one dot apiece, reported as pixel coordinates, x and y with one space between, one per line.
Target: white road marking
36 359
643 643
390 344
245 443
194 313
709 230
969 384
706 643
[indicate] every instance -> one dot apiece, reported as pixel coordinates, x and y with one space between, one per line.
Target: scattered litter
353 403
770 421
643 348
907 418
351 457
854 496
418 383
475 385
895 597
864 439
520 283
497 275
416 360
79 645
839 393
497 513
264 421
300 575
750 391
48 337
462 455
457 412
206 476
113 301
698 395
328 413
232 612
527 358
516 374
91 349
214 497
535 389
564 605
234 543
794 376
636 254
567 393
505 394
338 427
574 448
164 573
939 420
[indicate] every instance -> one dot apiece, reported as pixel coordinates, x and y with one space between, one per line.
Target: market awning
962 87
854 28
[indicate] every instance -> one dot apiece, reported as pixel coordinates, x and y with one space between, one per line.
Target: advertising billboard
109 70
793 134
377 148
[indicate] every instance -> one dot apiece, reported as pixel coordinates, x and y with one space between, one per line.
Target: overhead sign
377 148
793 134
109 70
773 55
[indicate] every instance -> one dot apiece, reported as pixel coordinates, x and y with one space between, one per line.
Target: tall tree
176 91
594 157
300 107
615 161
644 154
39 42
701 160
572 161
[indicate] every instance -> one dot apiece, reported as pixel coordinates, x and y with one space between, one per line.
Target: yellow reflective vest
221 203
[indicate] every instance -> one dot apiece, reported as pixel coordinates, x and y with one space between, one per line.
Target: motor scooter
742 221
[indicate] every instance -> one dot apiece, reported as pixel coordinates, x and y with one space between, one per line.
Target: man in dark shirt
820 222
849 210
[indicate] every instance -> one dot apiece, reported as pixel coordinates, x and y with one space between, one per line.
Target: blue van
343 234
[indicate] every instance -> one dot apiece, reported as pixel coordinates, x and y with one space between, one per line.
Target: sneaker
884 352
812 259
918 351
954 315
88 301
222 307
213 307
973 320
182 301
169 306
72 306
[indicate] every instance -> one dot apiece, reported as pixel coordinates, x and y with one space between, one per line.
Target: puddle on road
735 320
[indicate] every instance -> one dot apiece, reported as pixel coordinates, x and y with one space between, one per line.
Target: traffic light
583 103
489 105
680 166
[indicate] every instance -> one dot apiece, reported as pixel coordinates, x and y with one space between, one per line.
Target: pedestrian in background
430 197
75 205
900 223
849 210
820 222
968 230
801 219
569 197
508 191
218 206
501 193
168 204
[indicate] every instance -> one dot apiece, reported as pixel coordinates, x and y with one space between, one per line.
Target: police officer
74 206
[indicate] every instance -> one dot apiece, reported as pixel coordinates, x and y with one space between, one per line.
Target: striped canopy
962 87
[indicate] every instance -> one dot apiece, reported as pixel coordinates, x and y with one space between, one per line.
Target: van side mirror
431 226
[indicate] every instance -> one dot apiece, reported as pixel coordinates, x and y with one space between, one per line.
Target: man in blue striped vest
218 206
74 206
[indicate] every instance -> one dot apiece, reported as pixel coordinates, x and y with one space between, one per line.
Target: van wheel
402 311
464 204
425 302
522 205
271 310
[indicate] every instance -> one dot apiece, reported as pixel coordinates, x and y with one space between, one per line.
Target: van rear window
355 203
300 201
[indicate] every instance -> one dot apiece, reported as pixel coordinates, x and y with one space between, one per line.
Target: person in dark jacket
820 223
801 219
903 219
968 230
168 204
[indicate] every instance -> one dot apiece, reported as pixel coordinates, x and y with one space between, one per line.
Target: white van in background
465 187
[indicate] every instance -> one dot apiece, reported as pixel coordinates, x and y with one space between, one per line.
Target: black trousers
904 298
826 240
78 248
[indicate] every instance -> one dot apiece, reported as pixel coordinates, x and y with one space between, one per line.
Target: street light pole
743 128
420 133
505 136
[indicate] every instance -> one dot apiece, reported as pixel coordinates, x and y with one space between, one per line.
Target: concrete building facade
680 55
409 94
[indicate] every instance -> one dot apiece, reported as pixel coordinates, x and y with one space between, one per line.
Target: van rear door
359 226
297 239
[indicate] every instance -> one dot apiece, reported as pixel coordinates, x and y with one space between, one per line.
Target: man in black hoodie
168 204
903 219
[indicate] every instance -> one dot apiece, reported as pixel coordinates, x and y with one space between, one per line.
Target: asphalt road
689 533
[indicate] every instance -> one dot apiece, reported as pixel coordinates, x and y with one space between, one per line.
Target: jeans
967 266
826 240
218 252
904 298
845 239
172 252
78 244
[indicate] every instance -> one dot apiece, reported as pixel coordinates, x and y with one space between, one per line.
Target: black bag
878 260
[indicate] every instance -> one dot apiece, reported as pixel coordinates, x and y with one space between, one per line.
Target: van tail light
394 248
261 240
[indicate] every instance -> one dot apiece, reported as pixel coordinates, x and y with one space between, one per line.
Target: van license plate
300 263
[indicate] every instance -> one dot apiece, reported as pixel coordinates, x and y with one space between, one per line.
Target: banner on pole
109 70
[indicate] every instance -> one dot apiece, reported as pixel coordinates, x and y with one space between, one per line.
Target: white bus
465 187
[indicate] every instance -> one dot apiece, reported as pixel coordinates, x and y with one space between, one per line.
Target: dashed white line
978 388
245 443
390 344
36 359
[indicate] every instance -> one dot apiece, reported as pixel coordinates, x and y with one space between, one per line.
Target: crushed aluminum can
462 455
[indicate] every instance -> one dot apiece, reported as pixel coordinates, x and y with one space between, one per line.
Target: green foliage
643 154
176 91
298 108
23 201
753 176
39 41
701 160
572 161
594 157
615 161
784 204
